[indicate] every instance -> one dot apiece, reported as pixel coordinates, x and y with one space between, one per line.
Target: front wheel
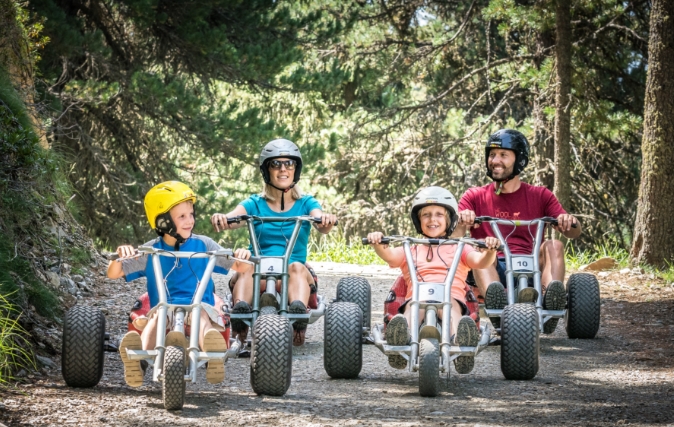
343 344
429 367
520 336
584 306
271 357
173 385
83 346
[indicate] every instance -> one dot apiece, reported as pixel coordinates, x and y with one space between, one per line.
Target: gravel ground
623 377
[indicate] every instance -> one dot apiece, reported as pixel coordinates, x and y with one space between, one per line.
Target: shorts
501 269
464 307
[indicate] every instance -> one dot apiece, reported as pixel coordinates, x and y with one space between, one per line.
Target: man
506 156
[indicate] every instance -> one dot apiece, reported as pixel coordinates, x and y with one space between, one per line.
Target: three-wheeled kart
522 323
271 324
173 365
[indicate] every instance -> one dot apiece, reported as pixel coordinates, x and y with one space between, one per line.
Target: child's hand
242 253
492 243
219 222
126 251
375 238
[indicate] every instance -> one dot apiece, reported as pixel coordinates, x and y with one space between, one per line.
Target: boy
170 211
434 214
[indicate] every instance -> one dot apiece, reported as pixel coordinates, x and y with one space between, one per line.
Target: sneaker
300 325
238 325
467 335
215 343
554 299
495 299
269 300
397 333
529 295
133 372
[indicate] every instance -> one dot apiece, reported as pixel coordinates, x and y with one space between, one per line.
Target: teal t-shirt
273 236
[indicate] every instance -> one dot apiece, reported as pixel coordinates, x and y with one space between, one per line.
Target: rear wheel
83 346
519 342
173 386
356 289
429 367
271 355
584 307
343 344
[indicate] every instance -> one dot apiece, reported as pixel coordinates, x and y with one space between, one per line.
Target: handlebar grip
318 220
112 256
384 241
236 219
480 244
254 259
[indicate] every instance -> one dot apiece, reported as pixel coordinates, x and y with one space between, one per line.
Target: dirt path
624 377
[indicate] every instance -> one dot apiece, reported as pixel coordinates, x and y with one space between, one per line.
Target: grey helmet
435 196
280 148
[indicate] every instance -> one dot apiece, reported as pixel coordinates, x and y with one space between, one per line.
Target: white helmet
435 196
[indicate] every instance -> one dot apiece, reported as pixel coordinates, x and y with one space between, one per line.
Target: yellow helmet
162 197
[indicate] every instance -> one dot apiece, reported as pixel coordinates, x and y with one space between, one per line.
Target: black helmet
435 196
280 148
509 139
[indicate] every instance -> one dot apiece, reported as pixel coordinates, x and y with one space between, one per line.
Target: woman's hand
219 222
327 220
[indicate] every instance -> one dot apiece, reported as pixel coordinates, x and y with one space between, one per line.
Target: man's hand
126 251
564 223
467 218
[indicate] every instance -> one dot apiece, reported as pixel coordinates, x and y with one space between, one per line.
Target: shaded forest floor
623 377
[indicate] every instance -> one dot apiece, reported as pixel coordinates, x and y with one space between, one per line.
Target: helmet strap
283 192
499 185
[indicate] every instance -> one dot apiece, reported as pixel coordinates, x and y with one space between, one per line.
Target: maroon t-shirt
528 202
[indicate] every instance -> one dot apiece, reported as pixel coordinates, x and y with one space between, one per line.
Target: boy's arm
483 258
384 251
239 266
115 270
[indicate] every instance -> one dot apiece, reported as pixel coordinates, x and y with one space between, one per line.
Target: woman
281 167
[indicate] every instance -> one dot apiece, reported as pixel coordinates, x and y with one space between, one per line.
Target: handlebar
546 219
178 254
238 219
388 239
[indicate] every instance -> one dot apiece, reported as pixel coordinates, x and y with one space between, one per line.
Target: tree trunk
563 101
654 225
543 143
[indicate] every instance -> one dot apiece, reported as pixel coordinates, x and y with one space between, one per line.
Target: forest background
103 99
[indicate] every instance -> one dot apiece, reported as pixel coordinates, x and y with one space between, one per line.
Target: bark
654 225
562 103
543 143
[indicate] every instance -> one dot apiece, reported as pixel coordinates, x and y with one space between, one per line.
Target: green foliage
334 247
14 353
576 258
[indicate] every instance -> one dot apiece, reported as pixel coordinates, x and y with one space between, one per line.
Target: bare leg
456 315
243 288
485 276
551 258
149 334
298 283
